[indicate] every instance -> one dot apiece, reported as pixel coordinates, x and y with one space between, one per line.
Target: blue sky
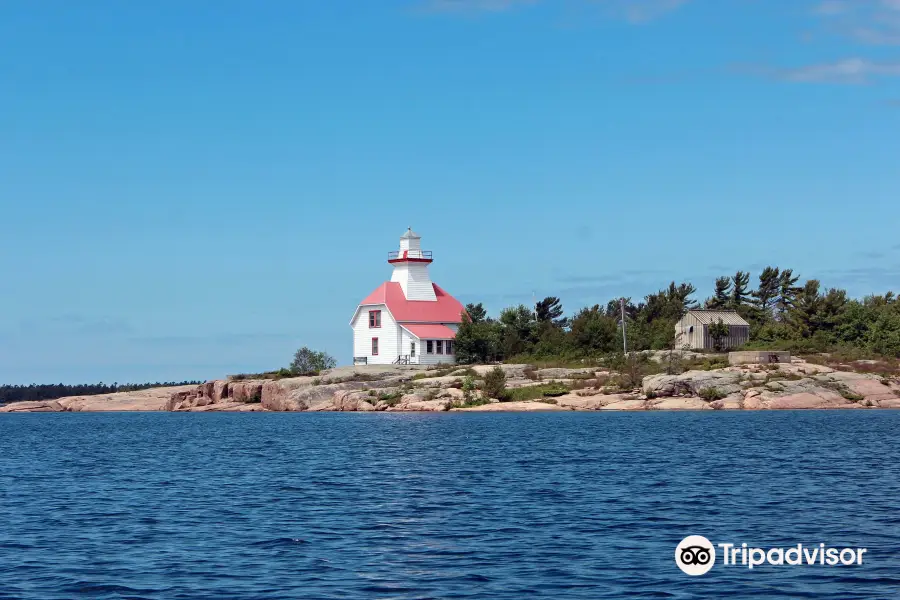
190 189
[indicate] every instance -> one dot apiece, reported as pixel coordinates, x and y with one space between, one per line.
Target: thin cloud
464 6
617 276
642 11
633 11
850 71
70 325
220 338
870 22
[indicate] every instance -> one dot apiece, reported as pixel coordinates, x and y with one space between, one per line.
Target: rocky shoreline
795 385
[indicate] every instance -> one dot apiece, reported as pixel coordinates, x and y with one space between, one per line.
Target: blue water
445 505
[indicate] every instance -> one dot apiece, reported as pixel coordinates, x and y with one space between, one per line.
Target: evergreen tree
476 312
550 310
614 309
767 293
787 292
739 289
804 314
722 296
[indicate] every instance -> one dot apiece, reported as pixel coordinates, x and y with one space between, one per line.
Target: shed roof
708 317
430 332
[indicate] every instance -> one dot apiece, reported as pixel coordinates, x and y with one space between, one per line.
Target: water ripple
508 506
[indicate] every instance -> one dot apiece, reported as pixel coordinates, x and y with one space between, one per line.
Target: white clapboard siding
406 338
388 336
415 281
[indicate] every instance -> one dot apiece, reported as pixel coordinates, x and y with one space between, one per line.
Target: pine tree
476 312
550 310
804 314
787 292
722 295
740 289
767 293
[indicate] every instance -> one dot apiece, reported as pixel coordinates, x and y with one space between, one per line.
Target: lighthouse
409 319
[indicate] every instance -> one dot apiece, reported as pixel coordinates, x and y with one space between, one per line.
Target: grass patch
279 374
707 363
472 403
579 376
843 390
560 362
711 393
535 392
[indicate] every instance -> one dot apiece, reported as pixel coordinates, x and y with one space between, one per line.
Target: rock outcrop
151 399
793 386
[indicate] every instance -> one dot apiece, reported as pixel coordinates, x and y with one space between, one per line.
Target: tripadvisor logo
696 555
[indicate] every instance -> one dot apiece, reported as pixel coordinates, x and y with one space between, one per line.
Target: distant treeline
18 393
783 313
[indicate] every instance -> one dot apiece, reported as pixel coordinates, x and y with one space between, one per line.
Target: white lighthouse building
409 319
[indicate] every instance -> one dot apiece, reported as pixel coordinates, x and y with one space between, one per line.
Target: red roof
431 332
446 309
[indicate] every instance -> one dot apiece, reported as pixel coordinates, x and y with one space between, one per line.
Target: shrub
256 398
390 399
718 332
311 362
530 373
468 389
711 393
850 395
494 385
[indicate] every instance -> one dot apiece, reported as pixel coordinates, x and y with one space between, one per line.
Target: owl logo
695 555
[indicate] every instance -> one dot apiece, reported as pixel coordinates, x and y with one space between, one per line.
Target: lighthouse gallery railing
397 254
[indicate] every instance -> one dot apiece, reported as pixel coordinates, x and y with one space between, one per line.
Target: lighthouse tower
411 268
409 319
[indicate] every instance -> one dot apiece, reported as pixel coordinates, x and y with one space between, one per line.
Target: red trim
377 319
375 346
410 260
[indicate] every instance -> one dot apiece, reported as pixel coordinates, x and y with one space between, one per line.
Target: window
429 347
440 347
374 318
374 346
449 347
412 348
